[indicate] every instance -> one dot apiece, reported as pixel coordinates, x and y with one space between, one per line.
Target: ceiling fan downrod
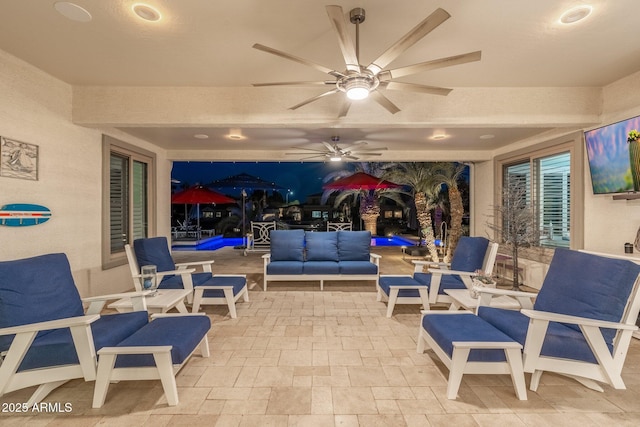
357 16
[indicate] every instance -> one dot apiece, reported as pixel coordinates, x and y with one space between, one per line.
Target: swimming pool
218 242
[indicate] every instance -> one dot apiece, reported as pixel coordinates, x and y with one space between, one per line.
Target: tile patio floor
296 356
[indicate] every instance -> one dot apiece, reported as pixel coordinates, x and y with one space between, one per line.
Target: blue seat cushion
320 267
154 251
238 283
354 245
322 246
285 267
446 282
386 282
357 267
446 329
469 253
287 245
56 347
175 281
183 333
35 290
560 341
586 285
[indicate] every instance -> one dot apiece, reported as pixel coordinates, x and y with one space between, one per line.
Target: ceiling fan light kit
358 81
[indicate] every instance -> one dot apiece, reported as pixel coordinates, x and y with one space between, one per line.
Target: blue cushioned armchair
582 321
45 336
208 288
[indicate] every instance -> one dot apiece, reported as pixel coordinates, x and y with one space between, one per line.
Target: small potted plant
634 157
481 280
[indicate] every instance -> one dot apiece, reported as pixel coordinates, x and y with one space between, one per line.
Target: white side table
462 299
161 302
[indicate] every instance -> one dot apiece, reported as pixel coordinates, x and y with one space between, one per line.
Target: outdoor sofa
298 255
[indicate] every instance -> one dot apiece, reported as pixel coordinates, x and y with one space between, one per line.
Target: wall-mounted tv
609 160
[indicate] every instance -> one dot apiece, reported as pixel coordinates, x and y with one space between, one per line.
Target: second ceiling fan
358 81
335 153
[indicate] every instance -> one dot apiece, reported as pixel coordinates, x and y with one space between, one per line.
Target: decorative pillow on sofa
322 246
354 245
287 245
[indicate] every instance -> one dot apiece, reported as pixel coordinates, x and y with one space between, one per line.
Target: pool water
218 242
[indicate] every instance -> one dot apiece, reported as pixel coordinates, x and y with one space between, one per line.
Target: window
128 193
544 173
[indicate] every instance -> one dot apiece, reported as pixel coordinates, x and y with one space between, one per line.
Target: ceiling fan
358 81
335 153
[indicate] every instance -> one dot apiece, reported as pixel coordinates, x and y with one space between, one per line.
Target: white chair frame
339 226
259 240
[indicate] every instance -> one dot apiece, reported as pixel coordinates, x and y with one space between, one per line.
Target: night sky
303 179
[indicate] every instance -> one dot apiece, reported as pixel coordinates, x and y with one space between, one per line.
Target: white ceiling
204 43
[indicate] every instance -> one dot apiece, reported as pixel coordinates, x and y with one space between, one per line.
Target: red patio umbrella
360 181
197 195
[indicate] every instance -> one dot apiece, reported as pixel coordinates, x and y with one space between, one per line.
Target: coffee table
462 299
160 302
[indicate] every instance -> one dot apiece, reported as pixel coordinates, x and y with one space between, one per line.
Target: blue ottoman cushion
238 283
386 281
184 333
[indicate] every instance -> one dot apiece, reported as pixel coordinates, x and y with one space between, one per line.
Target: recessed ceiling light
575 14
439 136
236 136
201 136
487 136
72 11
146 12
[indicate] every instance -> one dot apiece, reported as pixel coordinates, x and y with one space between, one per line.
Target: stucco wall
36 108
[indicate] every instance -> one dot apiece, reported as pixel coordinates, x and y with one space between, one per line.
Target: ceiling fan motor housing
356 16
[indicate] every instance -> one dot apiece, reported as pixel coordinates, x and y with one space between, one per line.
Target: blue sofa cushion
446 282
285 267
183 333
34 290
586 285
154 251
320 267
469 253
175 281
357 267
448 328
354 245
57 348
561 341
287 245
385 283
238 283
322 246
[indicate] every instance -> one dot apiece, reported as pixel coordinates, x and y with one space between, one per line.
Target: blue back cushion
354 245
154 251
322 246
586 285
469 253
36 290
287 245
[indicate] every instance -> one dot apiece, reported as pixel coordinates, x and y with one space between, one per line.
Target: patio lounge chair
582 321
471 254
46 339
208 288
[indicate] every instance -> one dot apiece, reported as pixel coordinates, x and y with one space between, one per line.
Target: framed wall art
18 159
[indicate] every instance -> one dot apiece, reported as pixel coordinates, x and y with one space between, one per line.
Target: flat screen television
609 161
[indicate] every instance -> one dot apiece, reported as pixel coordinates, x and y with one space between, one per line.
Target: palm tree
369 199
419 177
449 173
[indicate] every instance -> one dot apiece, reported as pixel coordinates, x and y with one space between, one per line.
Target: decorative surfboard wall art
23 215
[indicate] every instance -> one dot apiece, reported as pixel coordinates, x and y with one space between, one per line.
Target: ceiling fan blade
313 157
344 108
363 150
431 65
330 147
429 24
412 87
315 98
337 18
351 157
384 101
294 84
368 154
308 149
297 59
